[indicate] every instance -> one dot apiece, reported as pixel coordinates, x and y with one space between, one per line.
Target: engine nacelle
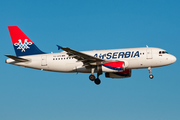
115 66
123 74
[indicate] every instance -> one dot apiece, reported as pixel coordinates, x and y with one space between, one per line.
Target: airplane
115 63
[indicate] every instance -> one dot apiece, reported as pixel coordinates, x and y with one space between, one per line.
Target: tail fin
22 44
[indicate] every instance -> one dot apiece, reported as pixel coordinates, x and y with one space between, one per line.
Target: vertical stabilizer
22 44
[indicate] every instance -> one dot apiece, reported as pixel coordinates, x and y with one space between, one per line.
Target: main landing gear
150 76
97 81
92 77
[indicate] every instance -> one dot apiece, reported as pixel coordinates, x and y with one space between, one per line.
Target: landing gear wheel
151 76
92 77
97 81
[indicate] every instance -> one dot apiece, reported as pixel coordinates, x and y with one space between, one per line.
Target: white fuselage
134 58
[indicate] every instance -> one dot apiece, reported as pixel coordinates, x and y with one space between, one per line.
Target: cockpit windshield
163 52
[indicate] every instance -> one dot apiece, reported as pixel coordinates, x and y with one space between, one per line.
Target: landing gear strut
150 76
92 77
97 80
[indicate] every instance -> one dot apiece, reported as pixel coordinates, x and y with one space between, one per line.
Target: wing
82 57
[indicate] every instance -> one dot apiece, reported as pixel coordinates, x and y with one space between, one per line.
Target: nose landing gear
150 76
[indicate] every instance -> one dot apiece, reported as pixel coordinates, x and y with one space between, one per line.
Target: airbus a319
115 63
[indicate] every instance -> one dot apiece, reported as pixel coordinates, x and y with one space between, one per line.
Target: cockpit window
163 52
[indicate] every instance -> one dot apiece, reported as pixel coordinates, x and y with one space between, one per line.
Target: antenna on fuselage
147 46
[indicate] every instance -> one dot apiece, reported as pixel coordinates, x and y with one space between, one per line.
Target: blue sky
90 25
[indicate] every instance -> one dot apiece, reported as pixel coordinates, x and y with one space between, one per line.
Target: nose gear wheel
151 76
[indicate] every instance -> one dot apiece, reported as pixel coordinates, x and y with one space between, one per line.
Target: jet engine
123 74
115 66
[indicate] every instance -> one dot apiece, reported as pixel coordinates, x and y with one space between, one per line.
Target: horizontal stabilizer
17 58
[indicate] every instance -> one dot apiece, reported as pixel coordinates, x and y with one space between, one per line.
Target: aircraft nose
173 59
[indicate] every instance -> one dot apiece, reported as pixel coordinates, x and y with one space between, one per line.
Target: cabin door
44 60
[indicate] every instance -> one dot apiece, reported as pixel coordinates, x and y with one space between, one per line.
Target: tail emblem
23 46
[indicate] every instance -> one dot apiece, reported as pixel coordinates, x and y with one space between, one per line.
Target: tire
92 77
151 76
97 81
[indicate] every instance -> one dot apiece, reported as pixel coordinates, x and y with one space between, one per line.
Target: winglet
59 47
